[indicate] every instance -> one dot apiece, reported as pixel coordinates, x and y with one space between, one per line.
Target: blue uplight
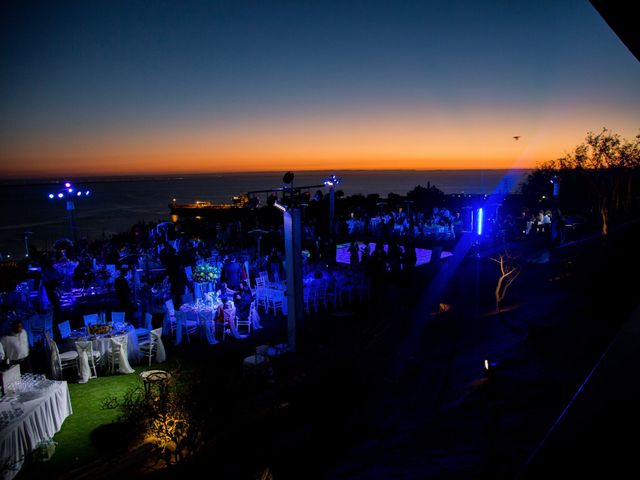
480 220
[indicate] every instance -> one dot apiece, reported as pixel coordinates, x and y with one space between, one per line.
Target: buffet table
33 414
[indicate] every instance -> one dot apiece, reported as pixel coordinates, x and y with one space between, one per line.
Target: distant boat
220 212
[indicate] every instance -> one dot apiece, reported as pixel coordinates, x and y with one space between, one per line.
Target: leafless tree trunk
508 273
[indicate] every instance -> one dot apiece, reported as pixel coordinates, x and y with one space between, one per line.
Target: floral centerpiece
99 329
206 273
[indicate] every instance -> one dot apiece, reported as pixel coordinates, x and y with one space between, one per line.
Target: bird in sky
516 137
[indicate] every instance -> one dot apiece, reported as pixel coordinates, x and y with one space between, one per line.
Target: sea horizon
11 180
116 203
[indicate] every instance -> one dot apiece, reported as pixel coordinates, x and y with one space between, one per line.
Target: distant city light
79 193
51 195
60 195
70 190
87 192
67 184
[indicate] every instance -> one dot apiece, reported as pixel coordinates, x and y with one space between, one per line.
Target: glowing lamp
51 195
67 184
70 190
60 195
87 192
486 364
79 193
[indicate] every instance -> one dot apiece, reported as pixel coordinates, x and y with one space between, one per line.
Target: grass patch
79 440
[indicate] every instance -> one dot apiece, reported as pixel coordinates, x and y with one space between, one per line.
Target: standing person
354 255
123 291
276 265
16 347
233 273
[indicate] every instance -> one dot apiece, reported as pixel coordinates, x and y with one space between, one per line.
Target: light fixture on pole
27 234
69 194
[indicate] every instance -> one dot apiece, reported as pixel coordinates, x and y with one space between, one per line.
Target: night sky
153 87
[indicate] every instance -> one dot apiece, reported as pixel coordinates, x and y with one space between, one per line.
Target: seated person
16 346
225 293
242 300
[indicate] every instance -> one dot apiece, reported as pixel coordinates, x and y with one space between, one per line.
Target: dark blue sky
76 74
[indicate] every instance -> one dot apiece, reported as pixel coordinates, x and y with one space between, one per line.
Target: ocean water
115 204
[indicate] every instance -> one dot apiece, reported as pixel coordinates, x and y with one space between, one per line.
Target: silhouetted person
123 291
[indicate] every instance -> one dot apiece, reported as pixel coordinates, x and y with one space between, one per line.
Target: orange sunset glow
479 137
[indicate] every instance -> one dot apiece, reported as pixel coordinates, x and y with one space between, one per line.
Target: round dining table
101 342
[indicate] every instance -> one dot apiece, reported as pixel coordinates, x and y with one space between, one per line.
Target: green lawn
75 447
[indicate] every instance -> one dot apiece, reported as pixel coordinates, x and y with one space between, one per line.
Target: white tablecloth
41 419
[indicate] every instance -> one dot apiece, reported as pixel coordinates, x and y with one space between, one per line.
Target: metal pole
331 209
554 209
293 254
72 221
26 246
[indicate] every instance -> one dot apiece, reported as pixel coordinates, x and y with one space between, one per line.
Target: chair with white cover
254 317
65 329
60 361
91 319
189 273
118 355
154 347
117 317
87 358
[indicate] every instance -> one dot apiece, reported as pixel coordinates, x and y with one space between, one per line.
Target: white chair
87 358
143 332
91 319
117 317
189 273
245 322
261 296
185 323
152 348
61 361
39 326
65 329
275 300
169 317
